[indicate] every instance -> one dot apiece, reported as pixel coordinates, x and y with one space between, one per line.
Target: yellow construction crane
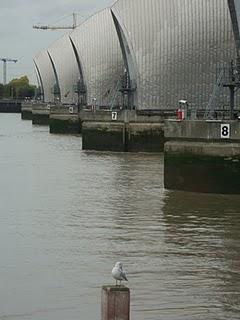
47 27
5 60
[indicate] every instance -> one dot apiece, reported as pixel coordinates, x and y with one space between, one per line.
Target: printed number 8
225 131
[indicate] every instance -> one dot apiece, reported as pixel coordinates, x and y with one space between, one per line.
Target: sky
18 40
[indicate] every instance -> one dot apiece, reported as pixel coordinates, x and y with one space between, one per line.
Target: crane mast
48 27
5 60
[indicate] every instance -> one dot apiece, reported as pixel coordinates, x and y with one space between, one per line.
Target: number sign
114 116
225 131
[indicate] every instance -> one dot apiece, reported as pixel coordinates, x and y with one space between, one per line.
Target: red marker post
115 303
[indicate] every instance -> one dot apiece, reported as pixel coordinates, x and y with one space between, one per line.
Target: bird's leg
120 282
116 282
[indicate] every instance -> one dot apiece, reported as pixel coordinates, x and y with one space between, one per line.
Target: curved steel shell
46 74
236 4
234 8
39 82
67 73
100 54
176 47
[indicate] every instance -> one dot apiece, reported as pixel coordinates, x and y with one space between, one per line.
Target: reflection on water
67 215
206 242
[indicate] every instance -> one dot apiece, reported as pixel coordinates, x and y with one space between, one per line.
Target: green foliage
18 89
21 82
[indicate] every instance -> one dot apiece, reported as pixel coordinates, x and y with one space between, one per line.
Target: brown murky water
66 216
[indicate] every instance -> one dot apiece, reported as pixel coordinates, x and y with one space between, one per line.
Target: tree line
18 89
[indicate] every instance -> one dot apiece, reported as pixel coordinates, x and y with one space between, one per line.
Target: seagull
118 273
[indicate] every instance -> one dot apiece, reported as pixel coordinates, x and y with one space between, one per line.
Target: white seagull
118 273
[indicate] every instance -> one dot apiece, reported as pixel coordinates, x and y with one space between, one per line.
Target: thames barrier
123 73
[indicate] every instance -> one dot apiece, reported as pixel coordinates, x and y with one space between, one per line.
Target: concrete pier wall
40 113
199 130
202 156
65 120
103 136
132 116
123 131
145 137
26 112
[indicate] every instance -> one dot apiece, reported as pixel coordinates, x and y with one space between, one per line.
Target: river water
66 216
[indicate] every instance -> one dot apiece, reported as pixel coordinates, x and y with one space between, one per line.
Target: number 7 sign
114 116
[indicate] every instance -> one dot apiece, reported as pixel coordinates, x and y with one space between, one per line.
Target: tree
18 88
21 88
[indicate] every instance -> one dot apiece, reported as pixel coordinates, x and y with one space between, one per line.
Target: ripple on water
67 215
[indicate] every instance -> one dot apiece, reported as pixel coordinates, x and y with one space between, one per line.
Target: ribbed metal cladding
177 45
46 74
39 81
66 67
237 8
234 8
100 54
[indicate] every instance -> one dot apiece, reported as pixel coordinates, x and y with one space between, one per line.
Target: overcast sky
18 40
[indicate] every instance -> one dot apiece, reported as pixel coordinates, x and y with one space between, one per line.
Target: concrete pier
40 113
64 119
26 112
124 131
115 303
202 156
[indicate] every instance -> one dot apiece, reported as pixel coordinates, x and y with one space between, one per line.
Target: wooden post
115 303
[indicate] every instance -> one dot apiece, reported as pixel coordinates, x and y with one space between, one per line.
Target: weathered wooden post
115 303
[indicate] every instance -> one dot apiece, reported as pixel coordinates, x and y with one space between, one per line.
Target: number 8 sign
225 131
